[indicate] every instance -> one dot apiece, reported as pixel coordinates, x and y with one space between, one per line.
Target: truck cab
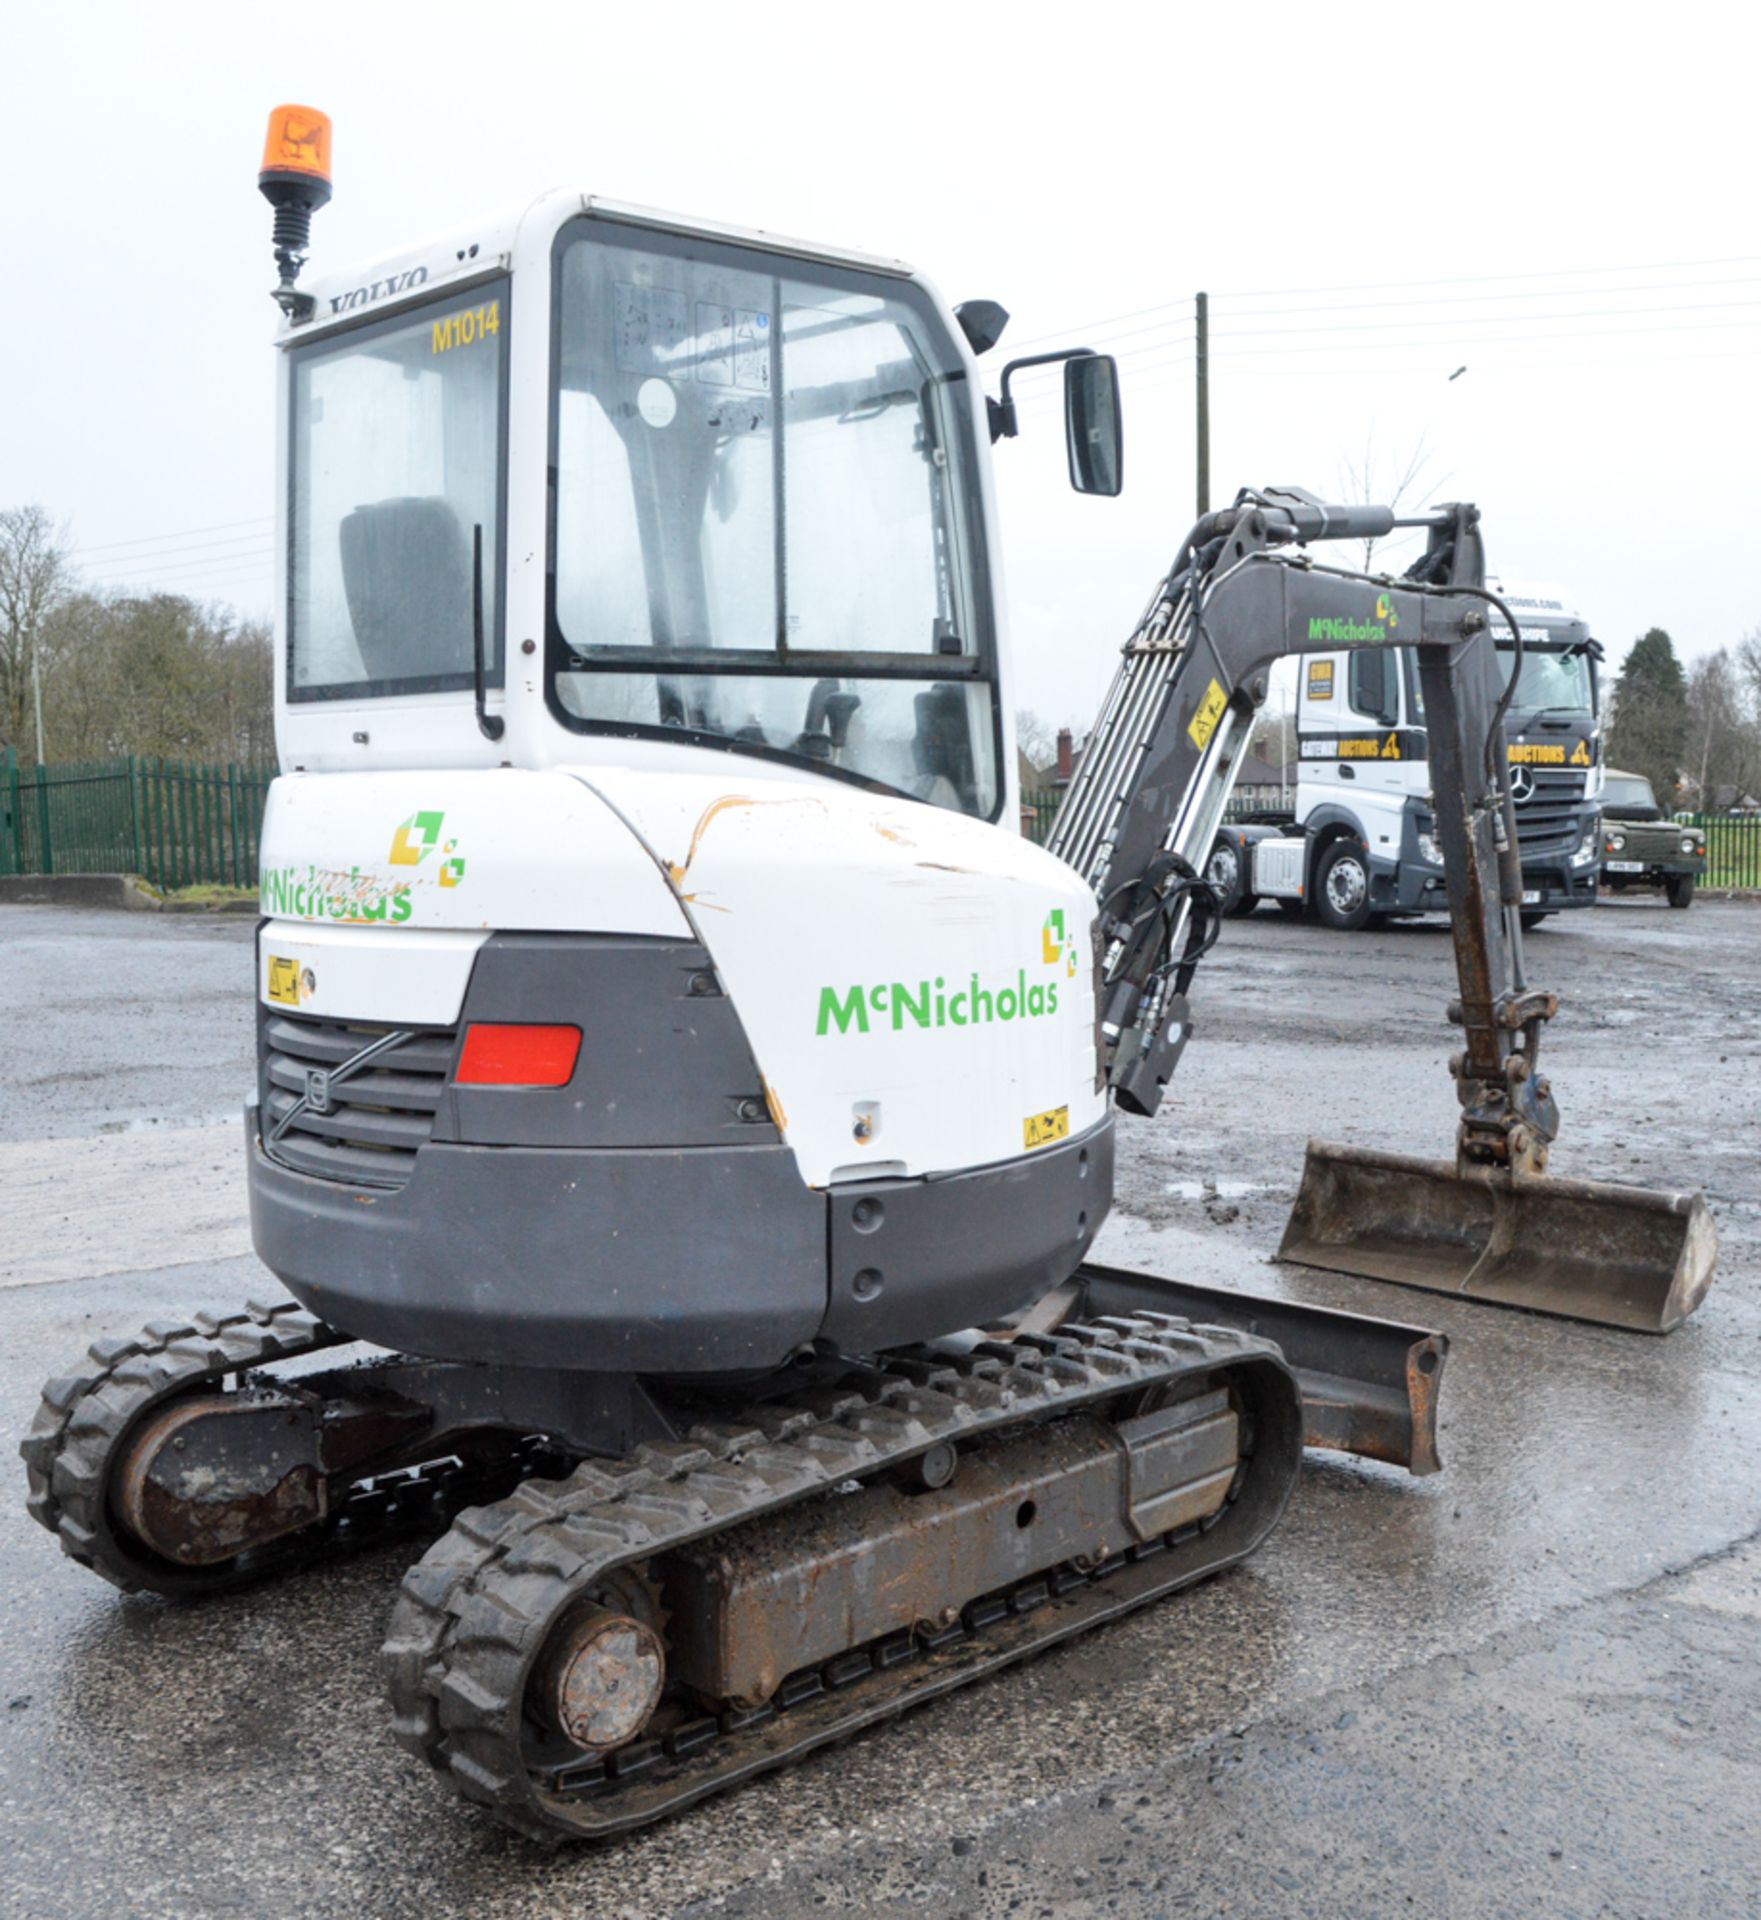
1359 841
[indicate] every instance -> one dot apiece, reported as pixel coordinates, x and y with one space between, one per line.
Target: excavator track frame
474 1616
87 1418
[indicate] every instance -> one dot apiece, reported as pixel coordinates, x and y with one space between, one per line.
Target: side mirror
1093 430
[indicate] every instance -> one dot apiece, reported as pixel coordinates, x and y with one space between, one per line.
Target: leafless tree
1724 723
34 577
157 673
1387 481
1034 737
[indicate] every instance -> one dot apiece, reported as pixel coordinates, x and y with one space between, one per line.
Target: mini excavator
686 1102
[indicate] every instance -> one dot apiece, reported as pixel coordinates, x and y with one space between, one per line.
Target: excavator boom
1246 589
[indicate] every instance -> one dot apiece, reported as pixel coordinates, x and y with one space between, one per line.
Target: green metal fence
1040 808
173 822
1733 840
1733 849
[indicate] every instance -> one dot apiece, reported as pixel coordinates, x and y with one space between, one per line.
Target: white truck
1359 843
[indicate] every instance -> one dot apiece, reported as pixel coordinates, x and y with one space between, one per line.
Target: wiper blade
492 723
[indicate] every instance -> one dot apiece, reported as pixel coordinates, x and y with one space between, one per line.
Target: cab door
1381 746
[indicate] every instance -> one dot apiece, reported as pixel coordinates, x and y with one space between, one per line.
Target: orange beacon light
295 180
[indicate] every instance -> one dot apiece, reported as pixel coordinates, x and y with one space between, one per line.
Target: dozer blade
1622 1256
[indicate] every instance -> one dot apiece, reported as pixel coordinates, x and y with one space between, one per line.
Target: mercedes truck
1359 842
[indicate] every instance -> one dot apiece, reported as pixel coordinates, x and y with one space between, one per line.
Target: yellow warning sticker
284 982
1320 679
1041 1129
1210 710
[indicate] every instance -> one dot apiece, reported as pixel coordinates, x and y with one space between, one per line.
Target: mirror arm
1003 421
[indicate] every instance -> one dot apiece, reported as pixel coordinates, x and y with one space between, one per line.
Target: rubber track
70 1450
473 1613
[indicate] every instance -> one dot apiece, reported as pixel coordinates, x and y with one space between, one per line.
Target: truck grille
1548 821
377 1118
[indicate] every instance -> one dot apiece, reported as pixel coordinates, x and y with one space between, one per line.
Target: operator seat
406 571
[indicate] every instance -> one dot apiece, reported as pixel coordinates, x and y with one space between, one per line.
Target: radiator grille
1547 822
377 1118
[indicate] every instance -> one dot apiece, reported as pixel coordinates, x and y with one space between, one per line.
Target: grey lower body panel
651 1260
911 1259
708 1259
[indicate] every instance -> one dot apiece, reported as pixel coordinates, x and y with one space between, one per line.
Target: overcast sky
1556 198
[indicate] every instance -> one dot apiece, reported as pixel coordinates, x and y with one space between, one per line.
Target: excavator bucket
1625 1257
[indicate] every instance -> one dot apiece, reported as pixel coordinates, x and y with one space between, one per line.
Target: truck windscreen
1550 677
767 524
396 436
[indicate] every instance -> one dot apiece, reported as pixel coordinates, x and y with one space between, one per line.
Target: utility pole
1204 403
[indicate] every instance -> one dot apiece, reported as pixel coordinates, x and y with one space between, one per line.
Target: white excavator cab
599 440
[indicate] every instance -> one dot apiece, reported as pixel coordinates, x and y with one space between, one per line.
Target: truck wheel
1228 879
1680 888
1342 887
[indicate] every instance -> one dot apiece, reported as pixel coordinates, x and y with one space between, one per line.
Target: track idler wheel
601 1679
207 1477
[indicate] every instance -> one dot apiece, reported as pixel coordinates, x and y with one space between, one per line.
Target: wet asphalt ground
1530 1685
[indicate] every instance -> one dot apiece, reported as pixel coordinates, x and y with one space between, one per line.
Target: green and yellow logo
417 838
1056 948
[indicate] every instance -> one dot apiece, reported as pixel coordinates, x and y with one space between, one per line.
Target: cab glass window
397 437
767 531
1373 685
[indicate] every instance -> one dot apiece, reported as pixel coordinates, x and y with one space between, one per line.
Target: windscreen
396 439
767 526
1625 792
1549 678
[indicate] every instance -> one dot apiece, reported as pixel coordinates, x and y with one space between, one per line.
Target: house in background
1260 784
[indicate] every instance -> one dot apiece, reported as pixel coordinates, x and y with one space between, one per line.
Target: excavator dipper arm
1246 589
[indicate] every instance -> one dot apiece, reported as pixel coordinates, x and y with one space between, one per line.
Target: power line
1385 286
1489 319
1166 380
1495 339
1483 279
193 569
187 533
138 563
1227 334
1465 299
220 548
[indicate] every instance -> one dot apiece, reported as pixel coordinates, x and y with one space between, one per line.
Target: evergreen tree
1649 731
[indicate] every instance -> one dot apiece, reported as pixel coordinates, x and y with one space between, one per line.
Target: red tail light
507 1056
